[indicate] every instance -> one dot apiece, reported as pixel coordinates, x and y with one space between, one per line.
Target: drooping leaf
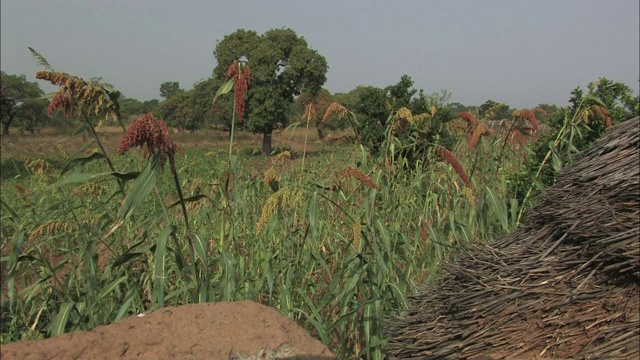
109 288
201 246
131 253
75 178
142 186
81 161
498 206
159 274
47 96
60 320
224 89
189 199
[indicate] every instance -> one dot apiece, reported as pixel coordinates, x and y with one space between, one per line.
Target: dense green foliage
575 128
132 107
169 89
282 66
19 100
492 110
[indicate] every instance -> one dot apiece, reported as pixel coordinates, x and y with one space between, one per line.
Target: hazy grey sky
519 52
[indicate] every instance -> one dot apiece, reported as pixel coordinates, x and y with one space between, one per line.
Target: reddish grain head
473 138
241 75
150 135
310 112
448 156
337 109
471 120
61 101
601 113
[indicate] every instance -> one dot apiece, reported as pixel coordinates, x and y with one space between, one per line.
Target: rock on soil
238 330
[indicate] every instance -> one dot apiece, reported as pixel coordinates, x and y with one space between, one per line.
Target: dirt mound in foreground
239 330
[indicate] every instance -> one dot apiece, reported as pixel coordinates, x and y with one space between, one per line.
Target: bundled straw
566 285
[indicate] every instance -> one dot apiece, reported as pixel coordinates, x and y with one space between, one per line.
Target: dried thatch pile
565 285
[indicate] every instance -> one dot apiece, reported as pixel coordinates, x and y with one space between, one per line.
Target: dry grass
56 142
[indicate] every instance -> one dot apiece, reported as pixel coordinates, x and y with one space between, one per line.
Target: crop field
334 220
335 241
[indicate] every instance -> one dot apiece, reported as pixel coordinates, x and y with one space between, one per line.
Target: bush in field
409 137
373 112
386 116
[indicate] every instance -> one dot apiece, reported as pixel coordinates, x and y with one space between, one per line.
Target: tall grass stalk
567 125
304 149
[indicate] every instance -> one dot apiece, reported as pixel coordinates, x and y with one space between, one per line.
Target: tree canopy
18 97
402 93
492 110
282 66
192 110
169 88
130 107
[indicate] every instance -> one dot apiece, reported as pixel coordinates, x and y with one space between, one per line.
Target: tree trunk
266 143
5 128
320 133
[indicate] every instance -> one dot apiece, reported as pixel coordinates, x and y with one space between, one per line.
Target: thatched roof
565 285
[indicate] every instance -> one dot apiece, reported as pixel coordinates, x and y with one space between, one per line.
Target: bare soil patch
239 330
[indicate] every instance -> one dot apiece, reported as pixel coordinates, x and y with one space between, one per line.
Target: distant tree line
286 76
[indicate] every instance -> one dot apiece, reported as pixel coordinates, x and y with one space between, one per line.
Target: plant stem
233 125
304 150
504 144
546 158
174 172
92 130
230 171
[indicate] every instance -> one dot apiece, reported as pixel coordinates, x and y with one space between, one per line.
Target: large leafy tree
203 111
373 111
191 110
459 107
169 88
176 110
282 66
401 94
150 105
130 107
17 96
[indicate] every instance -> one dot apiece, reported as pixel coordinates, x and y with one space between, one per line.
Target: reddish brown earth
239 330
